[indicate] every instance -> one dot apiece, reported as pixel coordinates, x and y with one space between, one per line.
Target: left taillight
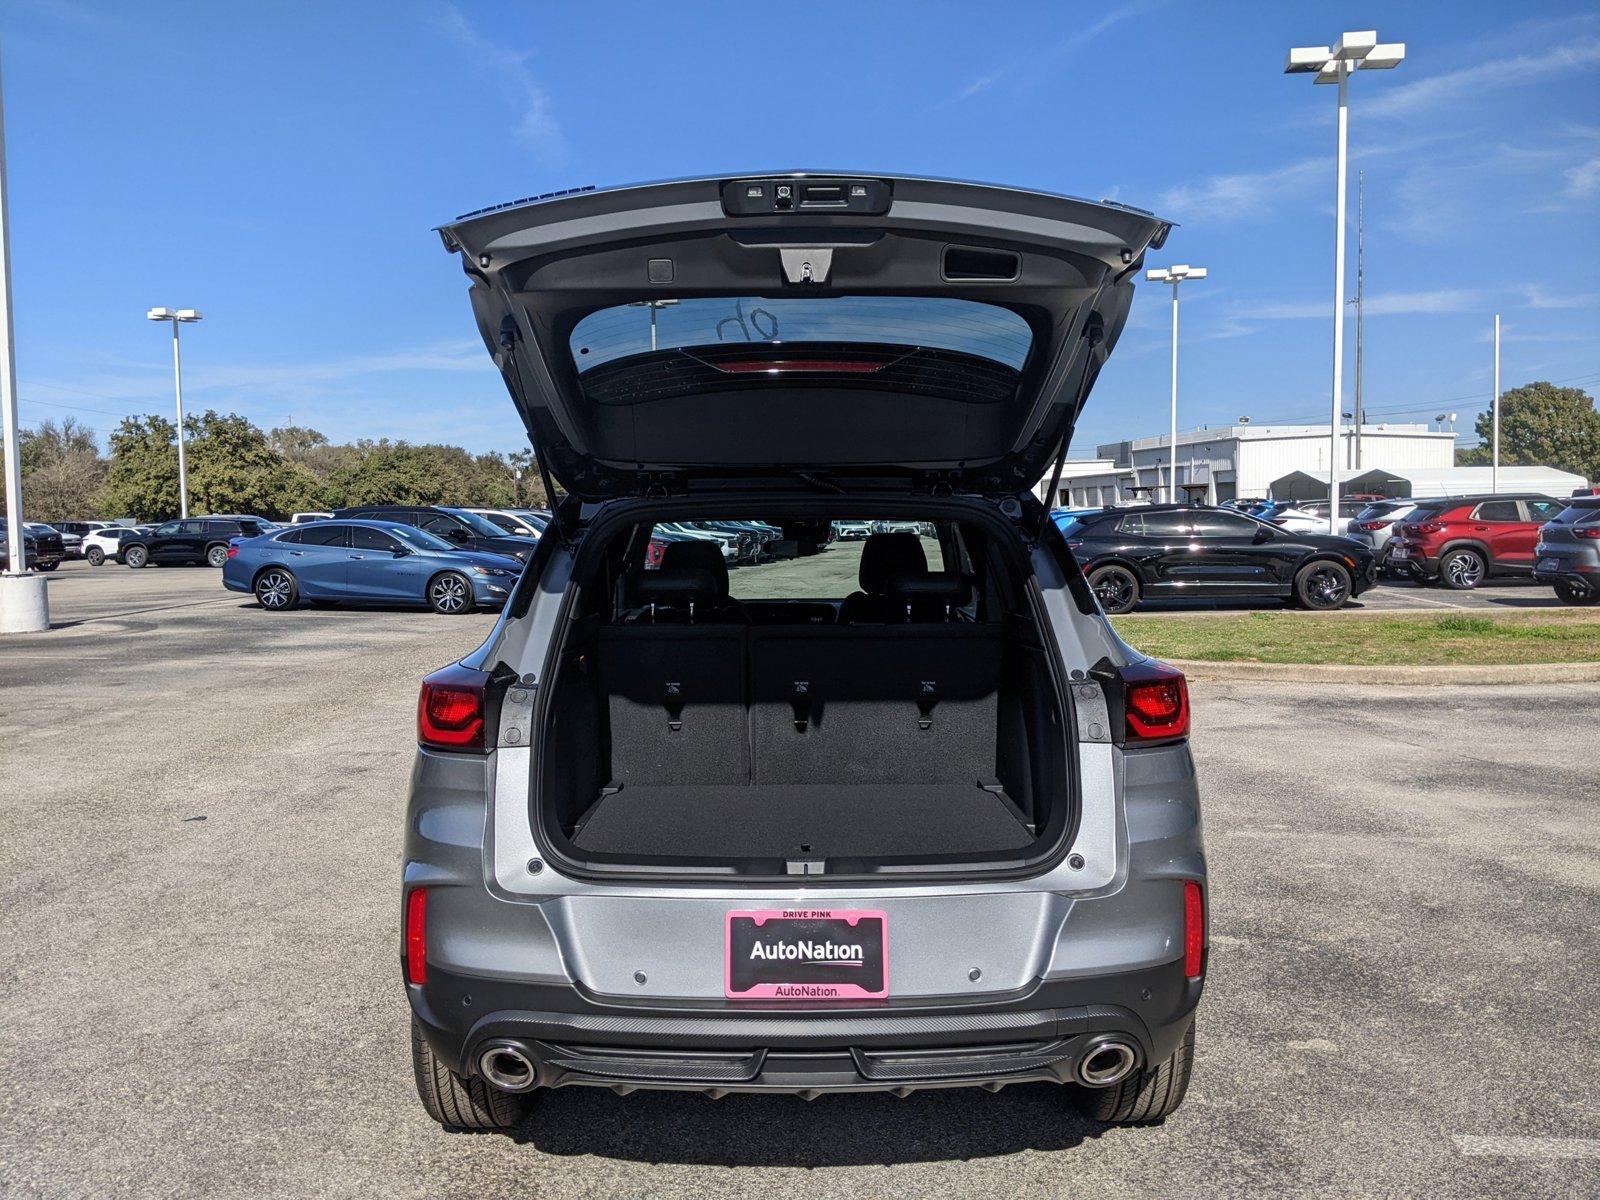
452 710
233 551
1194 930
417 936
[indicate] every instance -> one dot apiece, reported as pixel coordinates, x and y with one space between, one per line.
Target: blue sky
281 168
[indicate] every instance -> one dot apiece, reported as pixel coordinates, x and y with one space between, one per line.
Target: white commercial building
1243 461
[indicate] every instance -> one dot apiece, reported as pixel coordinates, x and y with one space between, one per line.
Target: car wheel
450 593
136 556
46 566
276 590
1116 588
1463 570
1322 586
217 556
1144 1098
458 1103
1571 592
96 556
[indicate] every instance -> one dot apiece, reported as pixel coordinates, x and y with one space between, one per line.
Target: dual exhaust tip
508 1067
1106 1063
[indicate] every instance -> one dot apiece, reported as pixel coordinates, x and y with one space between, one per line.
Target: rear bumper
575 1040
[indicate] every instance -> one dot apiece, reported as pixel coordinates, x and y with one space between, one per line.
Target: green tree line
1542 425
235 466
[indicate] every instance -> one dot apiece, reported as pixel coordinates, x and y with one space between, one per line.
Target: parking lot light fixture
1358 51
1174 275
653 306
178 316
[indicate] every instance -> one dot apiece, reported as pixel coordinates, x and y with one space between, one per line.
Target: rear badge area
806 954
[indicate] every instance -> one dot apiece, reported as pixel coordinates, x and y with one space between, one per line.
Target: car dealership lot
1401 995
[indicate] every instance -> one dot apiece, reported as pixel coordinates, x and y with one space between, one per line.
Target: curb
1225 672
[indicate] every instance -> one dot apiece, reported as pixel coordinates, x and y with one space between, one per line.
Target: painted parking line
1527 1147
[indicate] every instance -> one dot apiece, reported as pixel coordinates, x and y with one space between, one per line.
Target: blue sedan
371 561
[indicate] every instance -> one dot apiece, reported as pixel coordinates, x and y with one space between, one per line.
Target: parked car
1311 516
853 531
1460 541
868 842
42 547
510 521
102 544
73 534
196 540
338 561
1567 555
302 518
461 528
1200 552
1374 525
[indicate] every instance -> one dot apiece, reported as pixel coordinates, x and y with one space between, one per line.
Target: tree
1542 425
143 479
62 472
233 468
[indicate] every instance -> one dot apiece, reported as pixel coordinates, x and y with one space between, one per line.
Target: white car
305 517
510 520
102 543
1312 516
1375 525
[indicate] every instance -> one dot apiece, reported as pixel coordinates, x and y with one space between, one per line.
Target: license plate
806 954
1549 564
1399 552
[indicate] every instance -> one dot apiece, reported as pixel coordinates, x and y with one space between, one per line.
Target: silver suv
1568 553
883 815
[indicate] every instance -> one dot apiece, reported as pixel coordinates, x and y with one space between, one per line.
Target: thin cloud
1452 86
1244 195
1439 300
536 126
1535 295
1583 180
1029 69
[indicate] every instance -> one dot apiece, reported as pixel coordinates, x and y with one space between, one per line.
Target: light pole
178 316
653 306
1494 472
1174 275
1354 51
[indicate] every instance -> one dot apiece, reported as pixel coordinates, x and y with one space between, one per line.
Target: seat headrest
698 556
943 588
886 554
675 589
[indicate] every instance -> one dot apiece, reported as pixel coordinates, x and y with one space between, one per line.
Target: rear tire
276 590
1569 592
1117 589
96 556
1322 586
458 1103
46 566
1463 570
136 556
1144 1099
450 593
217 556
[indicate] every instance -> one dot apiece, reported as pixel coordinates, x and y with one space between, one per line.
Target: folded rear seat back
874 704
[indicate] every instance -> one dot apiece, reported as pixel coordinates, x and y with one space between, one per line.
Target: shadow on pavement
833 1131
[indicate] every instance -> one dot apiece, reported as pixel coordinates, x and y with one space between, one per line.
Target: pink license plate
806 954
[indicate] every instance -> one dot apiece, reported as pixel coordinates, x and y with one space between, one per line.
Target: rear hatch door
859 330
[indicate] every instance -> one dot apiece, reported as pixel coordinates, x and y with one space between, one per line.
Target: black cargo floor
801 820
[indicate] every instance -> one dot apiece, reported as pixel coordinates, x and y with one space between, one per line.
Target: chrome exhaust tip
1106 1063
507 1067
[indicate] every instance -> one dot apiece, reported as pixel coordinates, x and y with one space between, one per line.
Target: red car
1462 540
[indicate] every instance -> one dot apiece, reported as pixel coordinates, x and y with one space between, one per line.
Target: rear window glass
1585 514
929 322
756 571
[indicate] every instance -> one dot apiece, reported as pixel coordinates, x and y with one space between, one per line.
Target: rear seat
889 704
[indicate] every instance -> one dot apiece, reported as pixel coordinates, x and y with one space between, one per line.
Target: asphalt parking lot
1402 994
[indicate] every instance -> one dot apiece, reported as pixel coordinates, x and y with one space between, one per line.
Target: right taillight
1589 531
1194 930
1371 525
1155 702
1427 528
451 711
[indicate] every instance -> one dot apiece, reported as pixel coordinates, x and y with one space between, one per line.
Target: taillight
1155 702
233 551
1280 520
654 552
1428 527
1371 525
1194 930
417 936
451 711
1591 532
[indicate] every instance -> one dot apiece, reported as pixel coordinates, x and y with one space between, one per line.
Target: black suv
1199 551
458 526
196 540
42 547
